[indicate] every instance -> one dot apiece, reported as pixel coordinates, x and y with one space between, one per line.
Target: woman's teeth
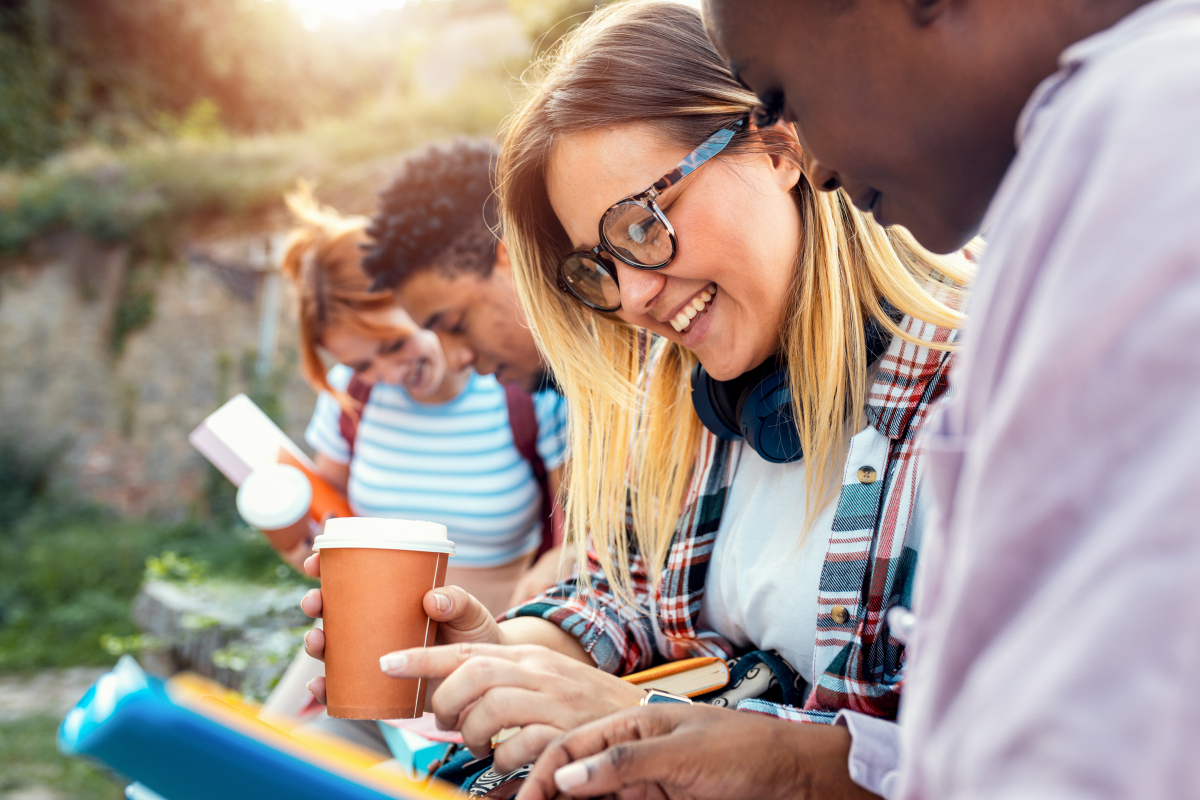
418 373
699 304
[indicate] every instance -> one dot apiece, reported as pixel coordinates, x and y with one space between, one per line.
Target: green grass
159 184
67 579
67 575
69 571
29 758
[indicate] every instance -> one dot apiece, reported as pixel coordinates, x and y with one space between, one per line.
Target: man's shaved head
910 106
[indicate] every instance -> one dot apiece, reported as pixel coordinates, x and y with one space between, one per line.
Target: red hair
324 261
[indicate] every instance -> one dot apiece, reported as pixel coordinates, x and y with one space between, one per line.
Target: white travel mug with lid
275 499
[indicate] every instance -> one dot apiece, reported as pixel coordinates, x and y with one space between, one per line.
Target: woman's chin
721 371
425 382
718 361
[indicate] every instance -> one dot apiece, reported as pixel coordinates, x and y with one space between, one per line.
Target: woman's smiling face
401 354
738 232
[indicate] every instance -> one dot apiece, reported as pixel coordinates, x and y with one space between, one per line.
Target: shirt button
866 474
839 615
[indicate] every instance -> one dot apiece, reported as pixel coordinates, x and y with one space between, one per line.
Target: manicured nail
393 662
570 776
441 601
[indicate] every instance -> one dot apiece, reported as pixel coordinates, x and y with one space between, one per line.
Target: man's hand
680 752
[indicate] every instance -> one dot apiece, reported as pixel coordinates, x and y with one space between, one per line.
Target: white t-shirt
453 463
762 583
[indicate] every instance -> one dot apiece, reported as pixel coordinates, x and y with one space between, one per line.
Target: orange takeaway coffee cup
275 500
374 576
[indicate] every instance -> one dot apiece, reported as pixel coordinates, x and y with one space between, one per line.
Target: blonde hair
633 431
324 261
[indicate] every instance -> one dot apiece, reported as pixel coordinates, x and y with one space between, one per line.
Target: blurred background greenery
119 114
131 124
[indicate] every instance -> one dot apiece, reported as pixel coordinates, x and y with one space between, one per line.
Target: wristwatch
659 696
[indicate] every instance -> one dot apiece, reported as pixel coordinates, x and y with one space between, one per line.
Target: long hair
323 259
633 432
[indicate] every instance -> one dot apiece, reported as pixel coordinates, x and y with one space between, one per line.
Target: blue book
182 740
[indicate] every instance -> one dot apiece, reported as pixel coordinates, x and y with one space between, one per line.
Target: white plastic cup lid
274 497
385 534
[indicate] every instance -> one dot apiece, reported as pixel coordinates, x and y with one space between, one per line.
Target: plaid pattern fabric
868 568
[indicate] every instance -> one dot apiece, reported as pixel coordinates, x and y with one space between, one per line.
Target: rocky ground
241 635
49 693
30 768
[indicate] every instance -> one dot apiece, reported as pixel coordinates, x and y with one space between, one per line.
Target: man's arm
1056 656
681 752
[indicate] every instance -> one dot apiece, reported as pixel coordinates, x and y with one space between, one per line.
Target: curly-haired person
435 247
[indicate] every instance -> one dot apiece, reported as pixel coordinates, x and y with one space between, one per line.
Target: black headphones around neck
757 406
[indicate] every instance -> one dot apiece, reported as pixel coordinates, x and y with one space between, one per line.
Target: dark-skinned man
1056 622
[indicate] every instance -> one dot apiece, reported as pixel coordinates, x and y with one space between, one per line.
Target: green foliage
24 478
134 308
114 71
201 122
118 646
148 191
68 572
66 578
29 758
29 129
170 566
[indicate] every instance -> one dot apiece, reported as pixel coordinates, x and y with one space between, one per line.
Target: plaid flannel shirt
869 564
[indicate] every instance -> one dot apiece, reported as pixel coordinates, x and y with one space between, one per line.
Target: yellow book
691 677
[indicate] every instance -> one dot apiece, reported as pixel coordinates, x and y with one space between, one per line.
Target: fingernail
441 601
393 662
309 687
570 776
306 642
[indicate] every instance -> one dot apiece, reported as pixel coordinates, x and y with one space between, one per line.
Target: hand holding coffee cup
460 618
374 576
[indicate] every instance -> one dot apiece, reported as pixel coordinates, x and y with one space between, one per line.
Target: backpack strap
359 391
522 418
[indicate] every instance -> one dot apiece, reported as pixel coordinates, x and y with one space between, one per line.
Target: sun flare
314 12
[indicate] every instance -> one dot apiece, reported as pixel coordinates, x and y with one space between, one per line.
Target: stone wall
122 420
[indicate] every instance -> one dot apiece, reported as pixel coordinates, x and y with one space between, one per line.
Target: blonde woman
656 223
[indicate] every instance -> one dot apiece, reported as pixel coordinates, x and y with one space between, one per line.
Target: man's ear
502 262
923 12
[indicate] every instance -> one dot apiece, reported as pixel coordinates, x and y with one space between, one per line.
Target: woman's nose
639 287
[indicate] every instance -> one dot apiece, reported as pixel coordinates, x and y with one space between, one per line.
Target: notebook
189 739
691 677
238 438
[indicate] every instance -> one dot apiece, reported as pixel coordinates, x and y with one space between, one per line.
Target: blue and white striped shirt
453 463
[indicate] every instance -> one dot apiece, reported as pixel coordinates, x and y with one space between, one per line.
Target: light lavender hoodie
1056 651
